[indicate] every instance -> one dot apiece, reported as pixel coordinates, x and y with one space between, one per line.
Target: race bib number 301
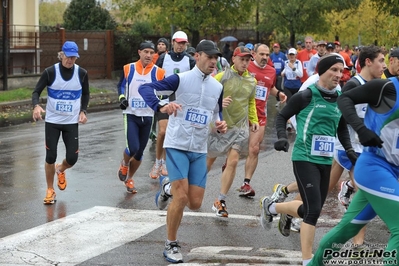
323 145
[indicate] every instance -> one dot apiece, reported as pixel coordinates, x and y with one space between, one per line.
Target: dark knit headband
328 61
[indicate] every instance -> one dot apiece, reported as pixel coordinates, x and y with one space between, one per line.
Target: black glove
281 145
123 103
352 155
367 137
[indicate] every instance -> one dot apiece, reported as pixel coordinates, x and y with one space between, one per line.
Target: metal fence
31 50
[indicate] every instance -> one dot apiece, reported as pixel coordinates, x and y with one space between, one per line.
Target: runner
376 171
68 96
137 115
318 122
196 109
239 87
266 78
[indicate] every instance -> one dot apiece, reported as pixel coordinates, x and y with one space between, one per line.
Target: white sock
222 197
57 170
167 189
272 208
349 183
158 162
305 262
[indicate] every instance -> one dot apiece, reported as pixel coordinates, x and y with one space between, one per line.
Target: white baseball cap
180 36
292 51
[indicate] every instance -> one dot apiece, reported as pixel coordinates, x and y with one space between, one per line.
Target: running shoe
155 172
164 170
219 206
296 224
61 183
284 224
246 191
153 136
345 193
278 104
130 186
172 252
357 253
161 198
224 166
289 127
50 197
266 218
278 194
122 172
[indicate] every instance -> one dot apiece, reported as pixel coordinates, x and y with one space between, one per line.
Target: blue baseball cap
250 46
70 49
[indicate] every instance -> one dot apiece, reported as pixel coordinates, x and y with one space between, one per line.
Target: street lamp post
5 46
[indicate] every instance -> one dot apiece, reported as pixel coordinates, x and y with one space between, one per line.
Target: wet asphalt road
93 182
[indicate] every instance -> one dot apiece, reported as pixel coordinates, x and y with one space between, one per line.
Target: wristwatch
160 105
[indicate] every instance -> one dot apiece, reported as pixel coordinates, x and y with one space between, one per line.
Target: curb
19 112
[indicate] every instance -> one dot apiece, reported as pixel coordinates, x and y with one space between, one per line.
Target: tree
389 6
363 25
196 17
300 16
87 15
50 13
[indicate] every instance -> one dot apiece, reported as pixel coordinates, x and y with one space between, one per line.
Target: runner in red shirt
305 55
265 76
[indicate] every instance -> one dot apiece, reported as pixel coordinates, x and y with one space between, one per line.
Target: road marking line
78 237
86 234
233 255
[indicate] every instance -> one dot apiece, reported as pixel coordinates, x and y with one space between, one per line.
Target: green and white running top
317 126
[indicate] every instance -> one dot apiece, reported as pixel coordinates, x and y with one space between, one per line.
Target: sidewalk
18 112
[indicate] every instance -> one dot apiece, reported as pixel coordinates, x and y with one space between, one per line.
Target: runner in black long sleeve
68 96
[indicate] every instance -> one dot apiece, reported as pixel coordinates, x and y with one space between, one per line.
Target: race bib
322 145
395 145
197 117
291 76
138 103
261 93
277 65
64 107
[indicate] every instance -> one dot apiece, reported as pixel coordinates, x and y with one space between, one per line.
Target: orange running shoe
50 197
130 186
220 208
164 171
122 172
62 183
155 171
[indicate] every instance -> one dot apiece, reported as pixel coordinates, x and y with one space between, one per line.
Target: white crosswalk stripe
84 235
78 237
